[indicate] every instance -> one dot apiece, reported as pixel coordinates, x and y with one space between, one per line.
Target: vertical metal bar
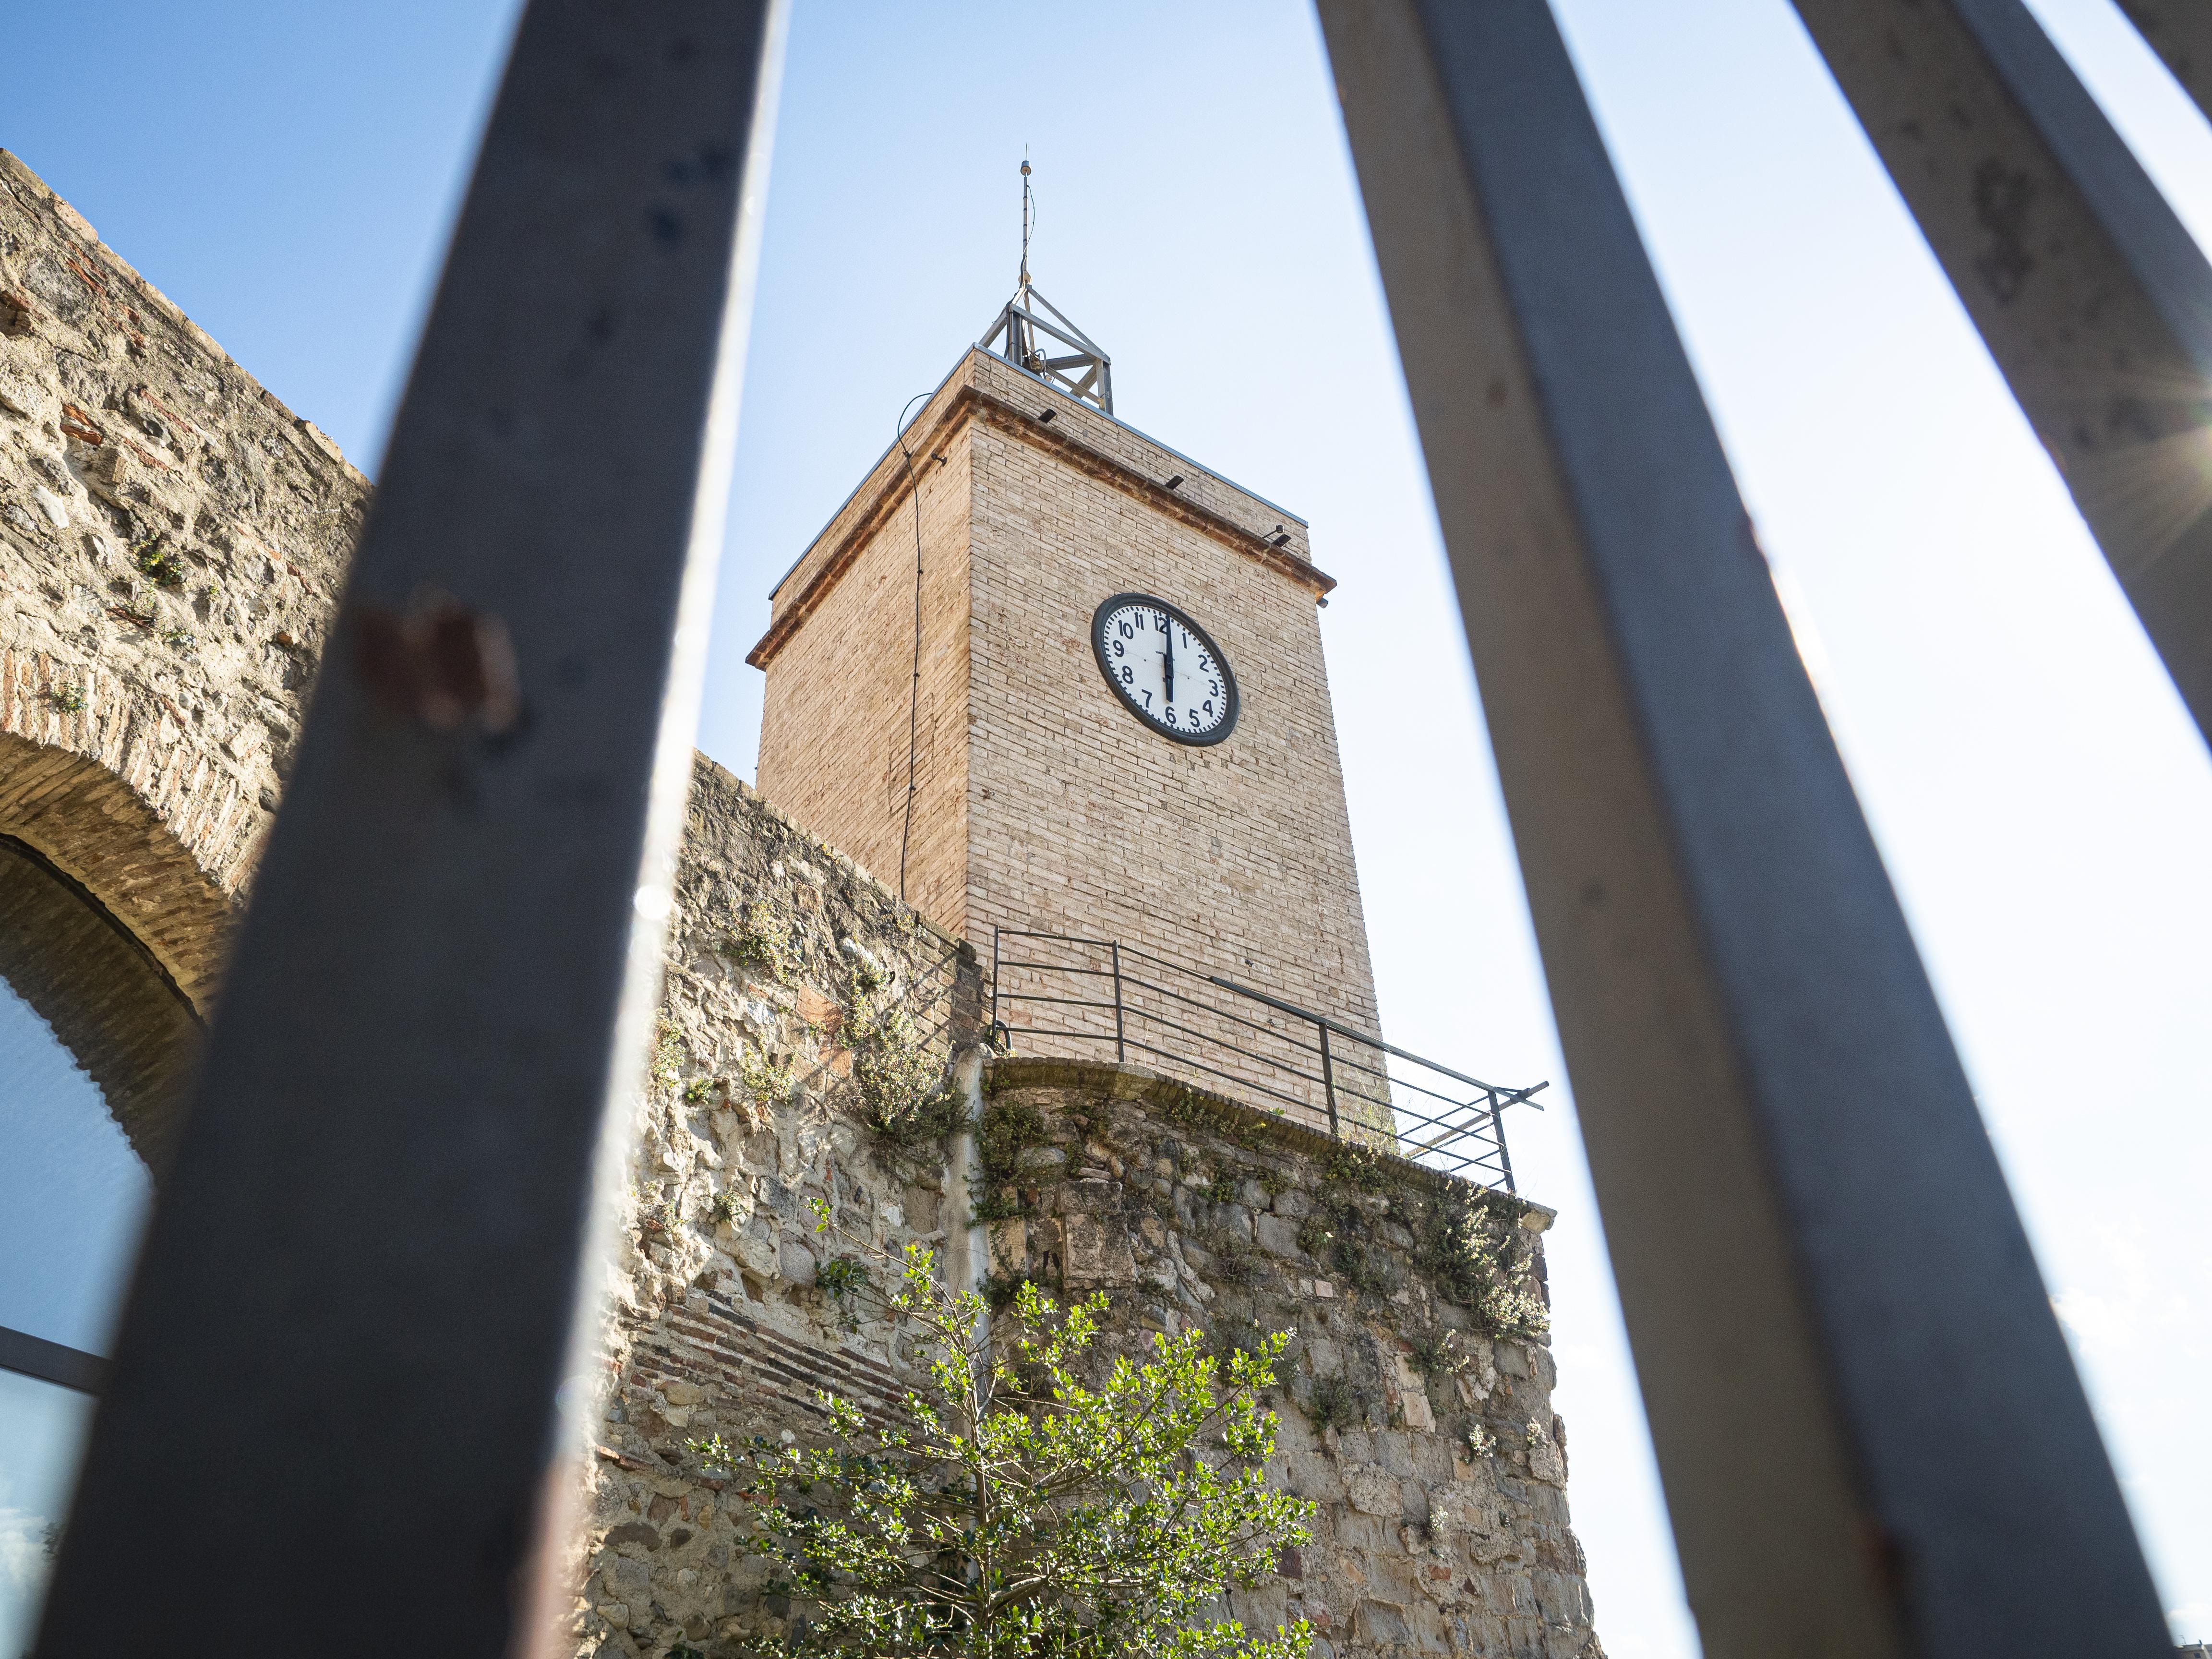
2090 295
342 1367
1805 1216
1498 1133
2180 33
1121 1052
995 982
1329 1080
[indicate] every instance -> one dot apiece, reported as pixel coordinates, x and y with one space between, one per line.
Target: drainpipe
967 1240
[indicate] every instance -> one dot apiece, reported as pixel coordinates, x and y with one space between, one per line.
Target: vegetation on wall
905 1099
1009 1129
763 939
1018 1509
1468 1242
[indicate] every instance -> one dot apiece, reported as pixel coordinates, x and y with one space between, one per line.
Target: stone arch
113 792
101 994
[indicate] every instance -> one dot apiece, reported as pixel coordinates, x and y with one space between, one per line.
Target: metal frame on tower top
1085 372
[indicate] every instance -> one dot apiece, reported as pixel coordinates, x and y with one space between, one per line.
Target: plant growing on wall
1482 1258
763 940
1018 1509
899 1078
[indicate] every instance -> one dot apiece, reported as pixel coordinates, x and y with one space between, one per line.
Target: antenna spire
1028 211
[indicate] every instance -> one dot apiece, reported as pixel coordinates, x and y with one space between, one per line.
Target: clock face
1164 668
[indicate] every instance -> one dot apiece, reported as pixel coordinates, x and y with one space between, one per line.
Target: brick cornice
969 402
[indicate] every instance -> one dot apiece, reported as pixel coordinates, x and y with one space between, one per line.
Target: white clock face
1164 668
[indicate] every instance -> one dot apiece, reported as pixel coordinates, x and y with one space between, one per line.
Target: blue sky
286 174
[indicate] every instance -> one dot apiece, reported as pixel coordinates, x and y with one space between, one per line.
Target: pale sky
286 172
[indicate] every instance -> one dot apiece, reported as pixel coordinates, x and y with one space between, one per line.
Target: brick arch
113 788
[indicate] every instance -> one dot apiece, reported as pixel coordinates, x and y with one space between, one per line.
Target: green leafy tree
1018 1509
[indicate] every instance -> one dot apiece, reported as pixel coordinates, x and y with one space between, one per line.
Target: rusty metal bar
1121 1028
2090 295
1329 1080
2180 33
341 1371
52 1362
1872 1439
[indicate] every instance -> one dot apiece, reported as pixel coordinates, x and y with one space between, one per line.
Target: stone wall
171 544
1417 1410
1425 1435
779 951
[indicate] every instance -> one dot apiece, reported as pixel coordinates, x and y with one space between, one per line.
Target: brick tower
954 727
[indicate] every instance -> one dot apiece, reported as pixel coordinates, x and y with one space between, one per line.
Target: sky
287 174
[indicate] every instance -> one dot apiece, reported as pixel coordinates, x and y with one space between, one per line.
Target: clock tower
1041 673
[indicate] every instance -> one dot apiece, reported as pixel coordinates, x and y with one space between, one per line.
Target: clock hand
1171 662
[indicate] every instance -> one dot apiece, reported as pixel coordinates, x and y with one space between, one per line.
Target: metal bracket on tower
1084 371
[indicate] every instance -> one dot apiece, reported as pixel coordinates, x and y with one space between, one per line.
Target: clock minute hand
1170 662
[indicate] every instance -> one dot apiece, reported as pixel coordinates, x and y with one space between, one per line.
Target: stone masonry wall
171 544
1425 1435
777 949
1429 1443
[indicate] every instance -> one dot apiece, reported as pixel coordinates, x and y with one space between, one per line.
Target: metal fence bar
1359 1036
52 1362
1277 1056
365 1279
1872 1439
1328 1082
1185 1060
2093 300
2180 33
1276 1066
1121 1028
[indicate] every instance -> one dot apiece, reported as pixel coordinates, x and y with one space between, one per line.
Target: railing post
992 1035
1498 1133
1329 1080
1120 1033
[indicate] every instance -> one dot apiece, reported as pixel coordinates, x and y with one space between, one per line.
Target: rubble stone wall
171 544
1427 1438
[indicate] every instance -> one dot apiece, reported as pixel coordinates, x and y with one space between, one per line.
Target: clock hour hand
1170 662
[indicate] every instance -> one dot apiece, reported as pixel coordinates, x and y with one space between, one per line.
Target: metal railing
1064 993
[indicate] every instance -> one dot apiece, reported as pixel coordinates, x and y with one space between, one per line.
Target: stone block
795 1262
1090 1197
1095 1253
1278 1236
1373 1491
1382 1622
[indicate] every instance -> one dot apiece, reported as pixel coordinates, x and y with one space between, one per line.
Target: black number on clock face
1164 668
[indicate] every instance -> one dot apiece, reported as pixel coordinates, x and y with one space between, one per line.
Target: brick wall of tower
1235 857
833 730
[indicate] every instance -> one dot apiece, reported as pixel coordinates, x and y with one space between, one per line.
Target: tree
1018 1509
